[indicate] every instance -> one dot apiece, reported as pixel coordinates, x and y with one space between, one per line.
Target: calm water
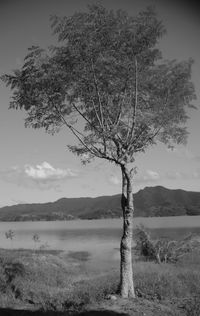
99 237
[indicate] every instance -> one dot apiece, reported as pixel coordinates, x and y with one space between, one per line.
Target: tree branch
156 131
130 132
96 152
97 115
120 111
84 117
99 98
76 132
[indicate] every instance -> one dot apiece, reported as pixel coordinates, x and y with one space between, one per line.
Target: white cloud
46 171
113 179
43 176
182 175
152 175
147 176
144 177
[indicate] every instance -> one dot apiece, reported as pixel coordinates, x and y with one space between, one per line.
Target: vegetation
163 250
107 75
151 201
49 280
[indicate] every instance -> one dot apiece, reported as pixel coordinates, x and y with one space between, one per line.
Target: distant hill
151 201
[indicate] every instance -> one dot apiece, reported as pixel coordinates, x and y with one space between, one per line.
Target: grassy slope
52 281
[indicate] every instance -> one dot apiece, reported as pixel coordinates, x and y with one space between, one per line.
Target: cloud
113 179
42 176
147 176
183 175
150 176
46 172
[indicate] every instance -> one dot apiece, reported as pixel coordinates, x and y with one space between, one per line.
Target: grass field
47 282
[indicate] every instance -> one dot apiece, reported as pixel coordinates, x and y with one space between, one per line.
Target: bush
10 270
144 245
162 250
3 281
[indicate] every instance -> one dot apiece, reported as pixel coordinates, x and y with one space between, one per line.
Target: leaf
106 83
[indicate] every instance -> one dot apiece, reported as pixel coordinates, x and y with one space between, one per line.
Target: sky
36 167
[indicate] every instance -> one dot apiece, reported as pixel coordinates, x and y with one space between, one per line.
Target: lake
101 238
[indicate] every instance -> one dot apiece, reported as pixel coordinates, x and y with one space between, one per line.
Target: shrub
10 270
144 245
162 250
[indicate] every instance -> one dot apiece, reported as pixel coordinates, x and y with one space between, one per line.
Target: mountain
151 201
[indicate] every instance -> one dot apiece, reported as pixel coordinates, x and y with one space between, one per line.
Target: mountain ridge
150 201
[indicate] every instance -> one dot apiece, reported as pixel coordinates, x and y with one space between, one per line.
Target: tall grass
165 281
50 281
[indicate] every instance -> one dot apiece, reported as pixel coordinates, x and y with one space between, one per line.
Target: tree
10 235
106 82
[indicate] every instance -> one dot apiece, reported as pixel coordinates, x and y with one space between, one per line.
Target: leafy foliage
106 82
163 250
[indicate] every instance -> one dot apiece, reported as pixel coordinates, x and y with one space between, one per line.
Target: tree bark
126 274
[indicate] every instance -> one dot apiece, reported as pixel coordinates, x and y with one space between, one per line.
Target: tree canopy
106 81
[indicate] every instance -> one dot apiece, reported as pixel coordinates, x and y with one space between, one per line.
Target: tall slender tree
107 84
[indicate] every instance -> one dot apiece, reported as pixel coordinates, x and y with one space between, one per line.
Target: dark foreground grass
48 283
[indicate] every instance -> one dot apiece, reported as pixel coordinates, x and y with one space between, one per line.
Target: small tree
144 245
36 239
106 82
10 235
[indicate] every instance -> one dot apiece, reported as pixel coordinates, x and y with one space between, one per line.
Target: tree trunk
126 273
